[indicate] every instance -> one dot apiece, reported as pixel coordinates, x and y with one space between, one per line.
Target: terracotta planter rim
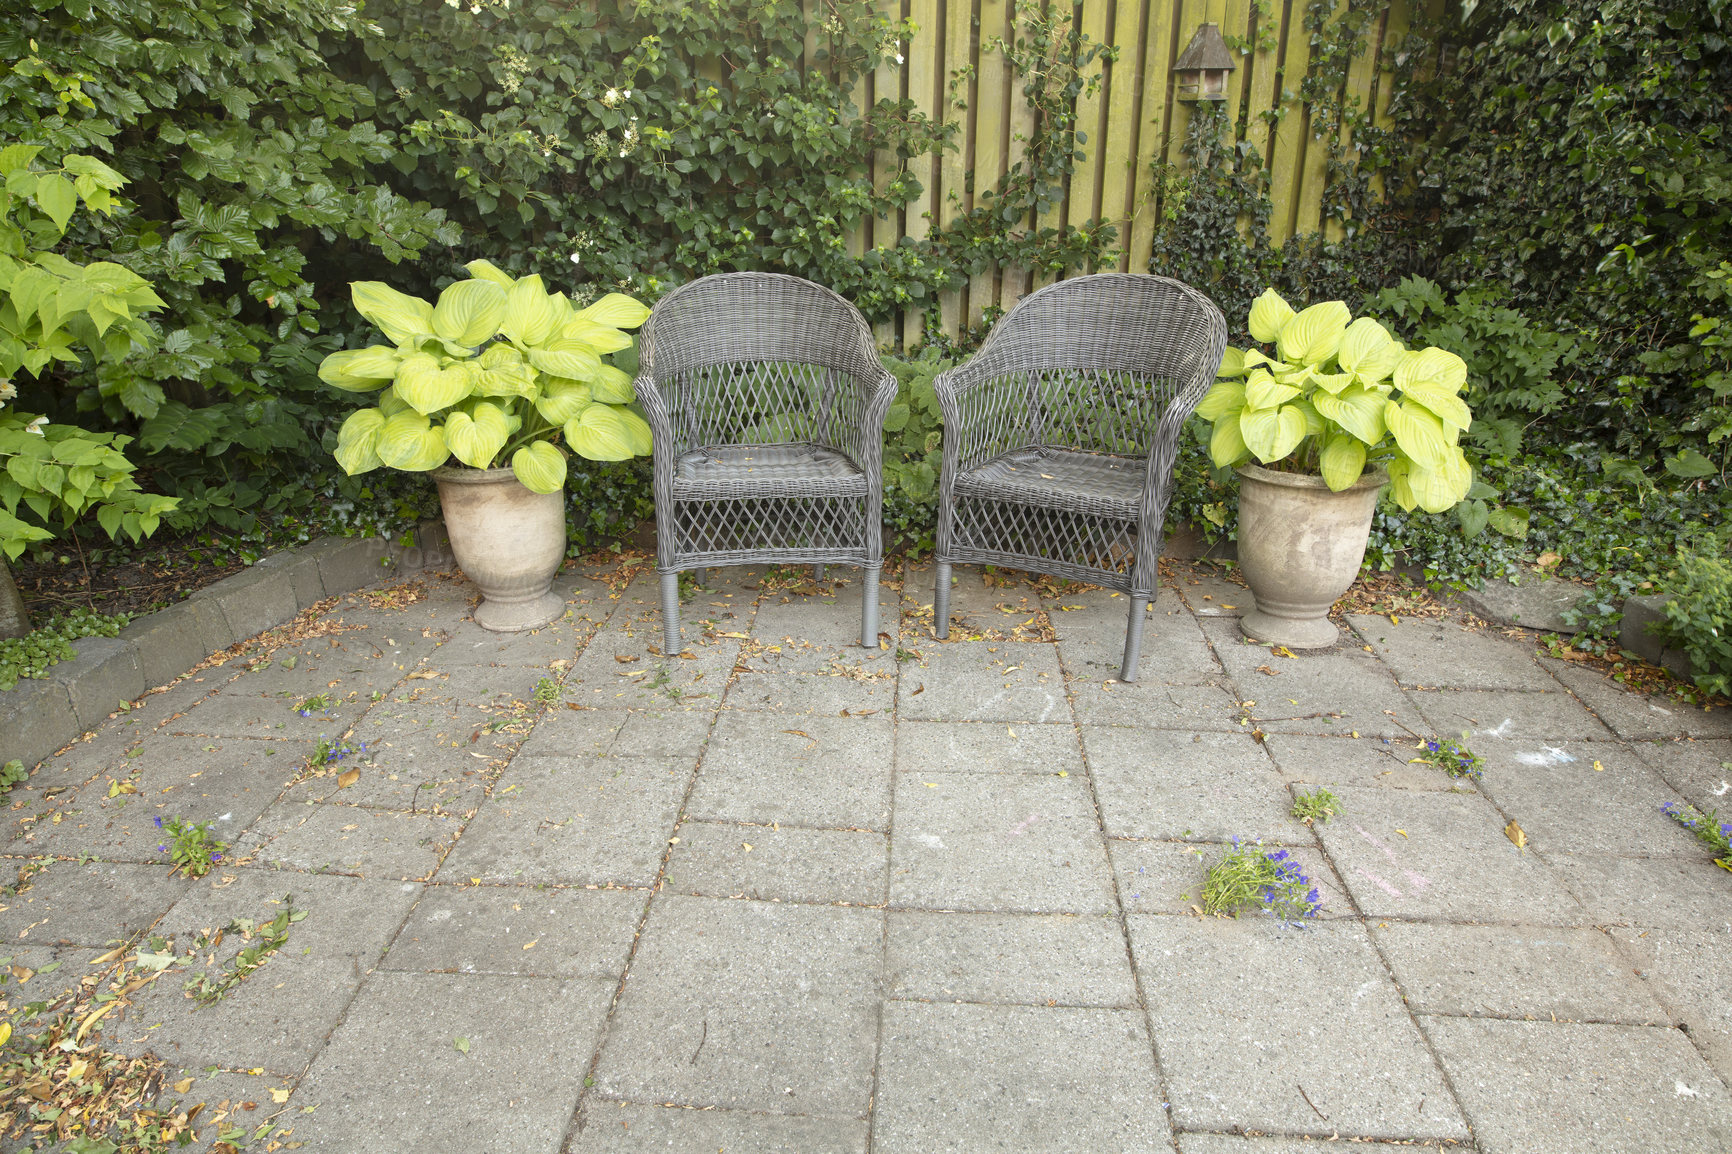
1372 477
464 475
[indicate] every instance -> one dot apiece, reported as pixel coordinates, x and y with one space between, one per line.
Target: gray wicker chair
1061 433
767 400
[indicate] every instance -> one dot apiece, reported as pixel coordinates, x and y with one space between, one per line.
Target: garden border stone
40 716
1640 614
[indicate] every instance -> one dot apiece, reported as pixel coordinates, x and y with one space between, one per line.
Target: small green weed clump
1451 756
1317 805
1708 828
33 654
1271 880
11 774
547 692
190 846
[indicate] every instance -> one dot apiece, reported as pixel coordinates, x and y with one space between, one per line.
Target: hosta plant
1332 396
497 371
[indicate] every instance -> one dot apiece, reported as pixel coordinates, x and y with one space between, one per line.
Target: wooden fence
1133 123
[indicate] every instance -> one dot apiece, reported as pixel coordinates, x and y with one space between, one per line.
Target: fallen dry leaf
279 1096
1515 833
183 1085
624 659
346 779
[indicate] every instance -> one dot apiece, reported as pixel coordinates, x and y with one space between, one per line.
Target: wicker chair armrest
1164 445
655 410
976 429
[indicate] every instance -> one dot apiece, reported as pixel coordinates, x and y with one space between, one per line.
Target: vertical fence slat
957 107
1158 54
923 89
1288 143
1124 110
1016 280
991 103
1085 182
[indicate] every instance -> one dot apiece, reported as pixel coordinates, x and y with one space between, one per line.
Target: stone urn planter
508 540
1300 547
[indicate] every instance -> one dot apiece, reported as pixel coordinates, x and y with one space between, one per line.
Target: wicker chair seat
1055 478
737 472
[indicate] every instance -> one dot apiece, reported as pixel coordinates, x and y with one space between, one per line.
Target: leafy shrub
33 654
913 449
1699 618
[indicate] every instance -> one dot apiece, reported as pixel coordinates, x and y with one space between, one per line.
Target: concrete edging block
36 719
106 672
1636 634
169 642
252 601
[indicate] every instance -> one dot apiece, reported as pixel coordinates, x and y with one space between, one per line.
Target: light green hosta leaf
427 388
1434 367
1232 363
411 442
1269 314
613 386
601 434
642 440
540 467
1222 399
360 370
1313 419
1314 335
501 356
469 312
531 315
567 358
1450 409
1262 391
1332 383
486 270
1291 374
476 437
562 399
1227 443
598 337
1368 350
358 441
1255 357
616 311
1342 461
1272 434
512 381
1434 490
390 403
1357 410
1417 433
402 318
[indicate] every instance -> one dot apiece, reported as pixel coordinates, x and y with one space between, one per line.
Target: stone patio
786 894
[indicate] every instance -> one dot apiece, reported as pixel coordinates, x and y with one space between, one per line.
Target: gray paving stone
279 1016
1636 716
347 563
986 747
750 1005
560 640
1515 972
1592 1089
1035 959
1452 860
1369 762
1447 655
1699 770
345 667
1534 604
558 933
1192 708
1010 844
222 1099
1325 692
1232 1144
226 781
1091 639
694 681
669 733
570 730
1585 797
486 686
1689 972
1163 877
1210 786
985 681
811 770
1252 1018
813 630
1520 719
787 864
804 694
423 758
628 1128
1660 893
88 905
263 718
977 1078
981 604
372 843
393 1079
573 820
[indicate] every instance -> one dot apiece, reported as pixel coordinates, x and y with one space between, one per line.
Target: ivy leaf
1690 464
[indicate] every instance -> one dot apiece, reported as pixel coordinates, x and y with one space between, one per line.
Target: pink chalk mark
1022 826
1379 882
1420 881
1387 852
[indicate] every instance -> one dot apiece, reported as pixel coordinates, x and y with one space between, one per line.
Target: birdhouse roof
1206 51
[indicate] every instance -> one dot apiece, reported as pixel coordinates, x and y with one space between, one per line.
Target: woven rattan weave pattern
767 401
1060 435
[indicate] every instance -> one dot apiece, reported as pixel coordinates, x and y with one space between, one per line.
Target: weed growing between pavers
1318 805
264 939
1451 756
317 703
1272 880
547 692
1708 828
190 846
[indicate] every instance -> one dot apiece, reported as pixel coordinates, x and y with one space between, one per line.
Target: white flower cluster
613 97
475 6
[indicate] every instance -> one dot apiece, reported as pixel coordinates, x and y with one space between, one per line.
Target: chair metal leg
941 600
818 574
671 614
869 611
1134 639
